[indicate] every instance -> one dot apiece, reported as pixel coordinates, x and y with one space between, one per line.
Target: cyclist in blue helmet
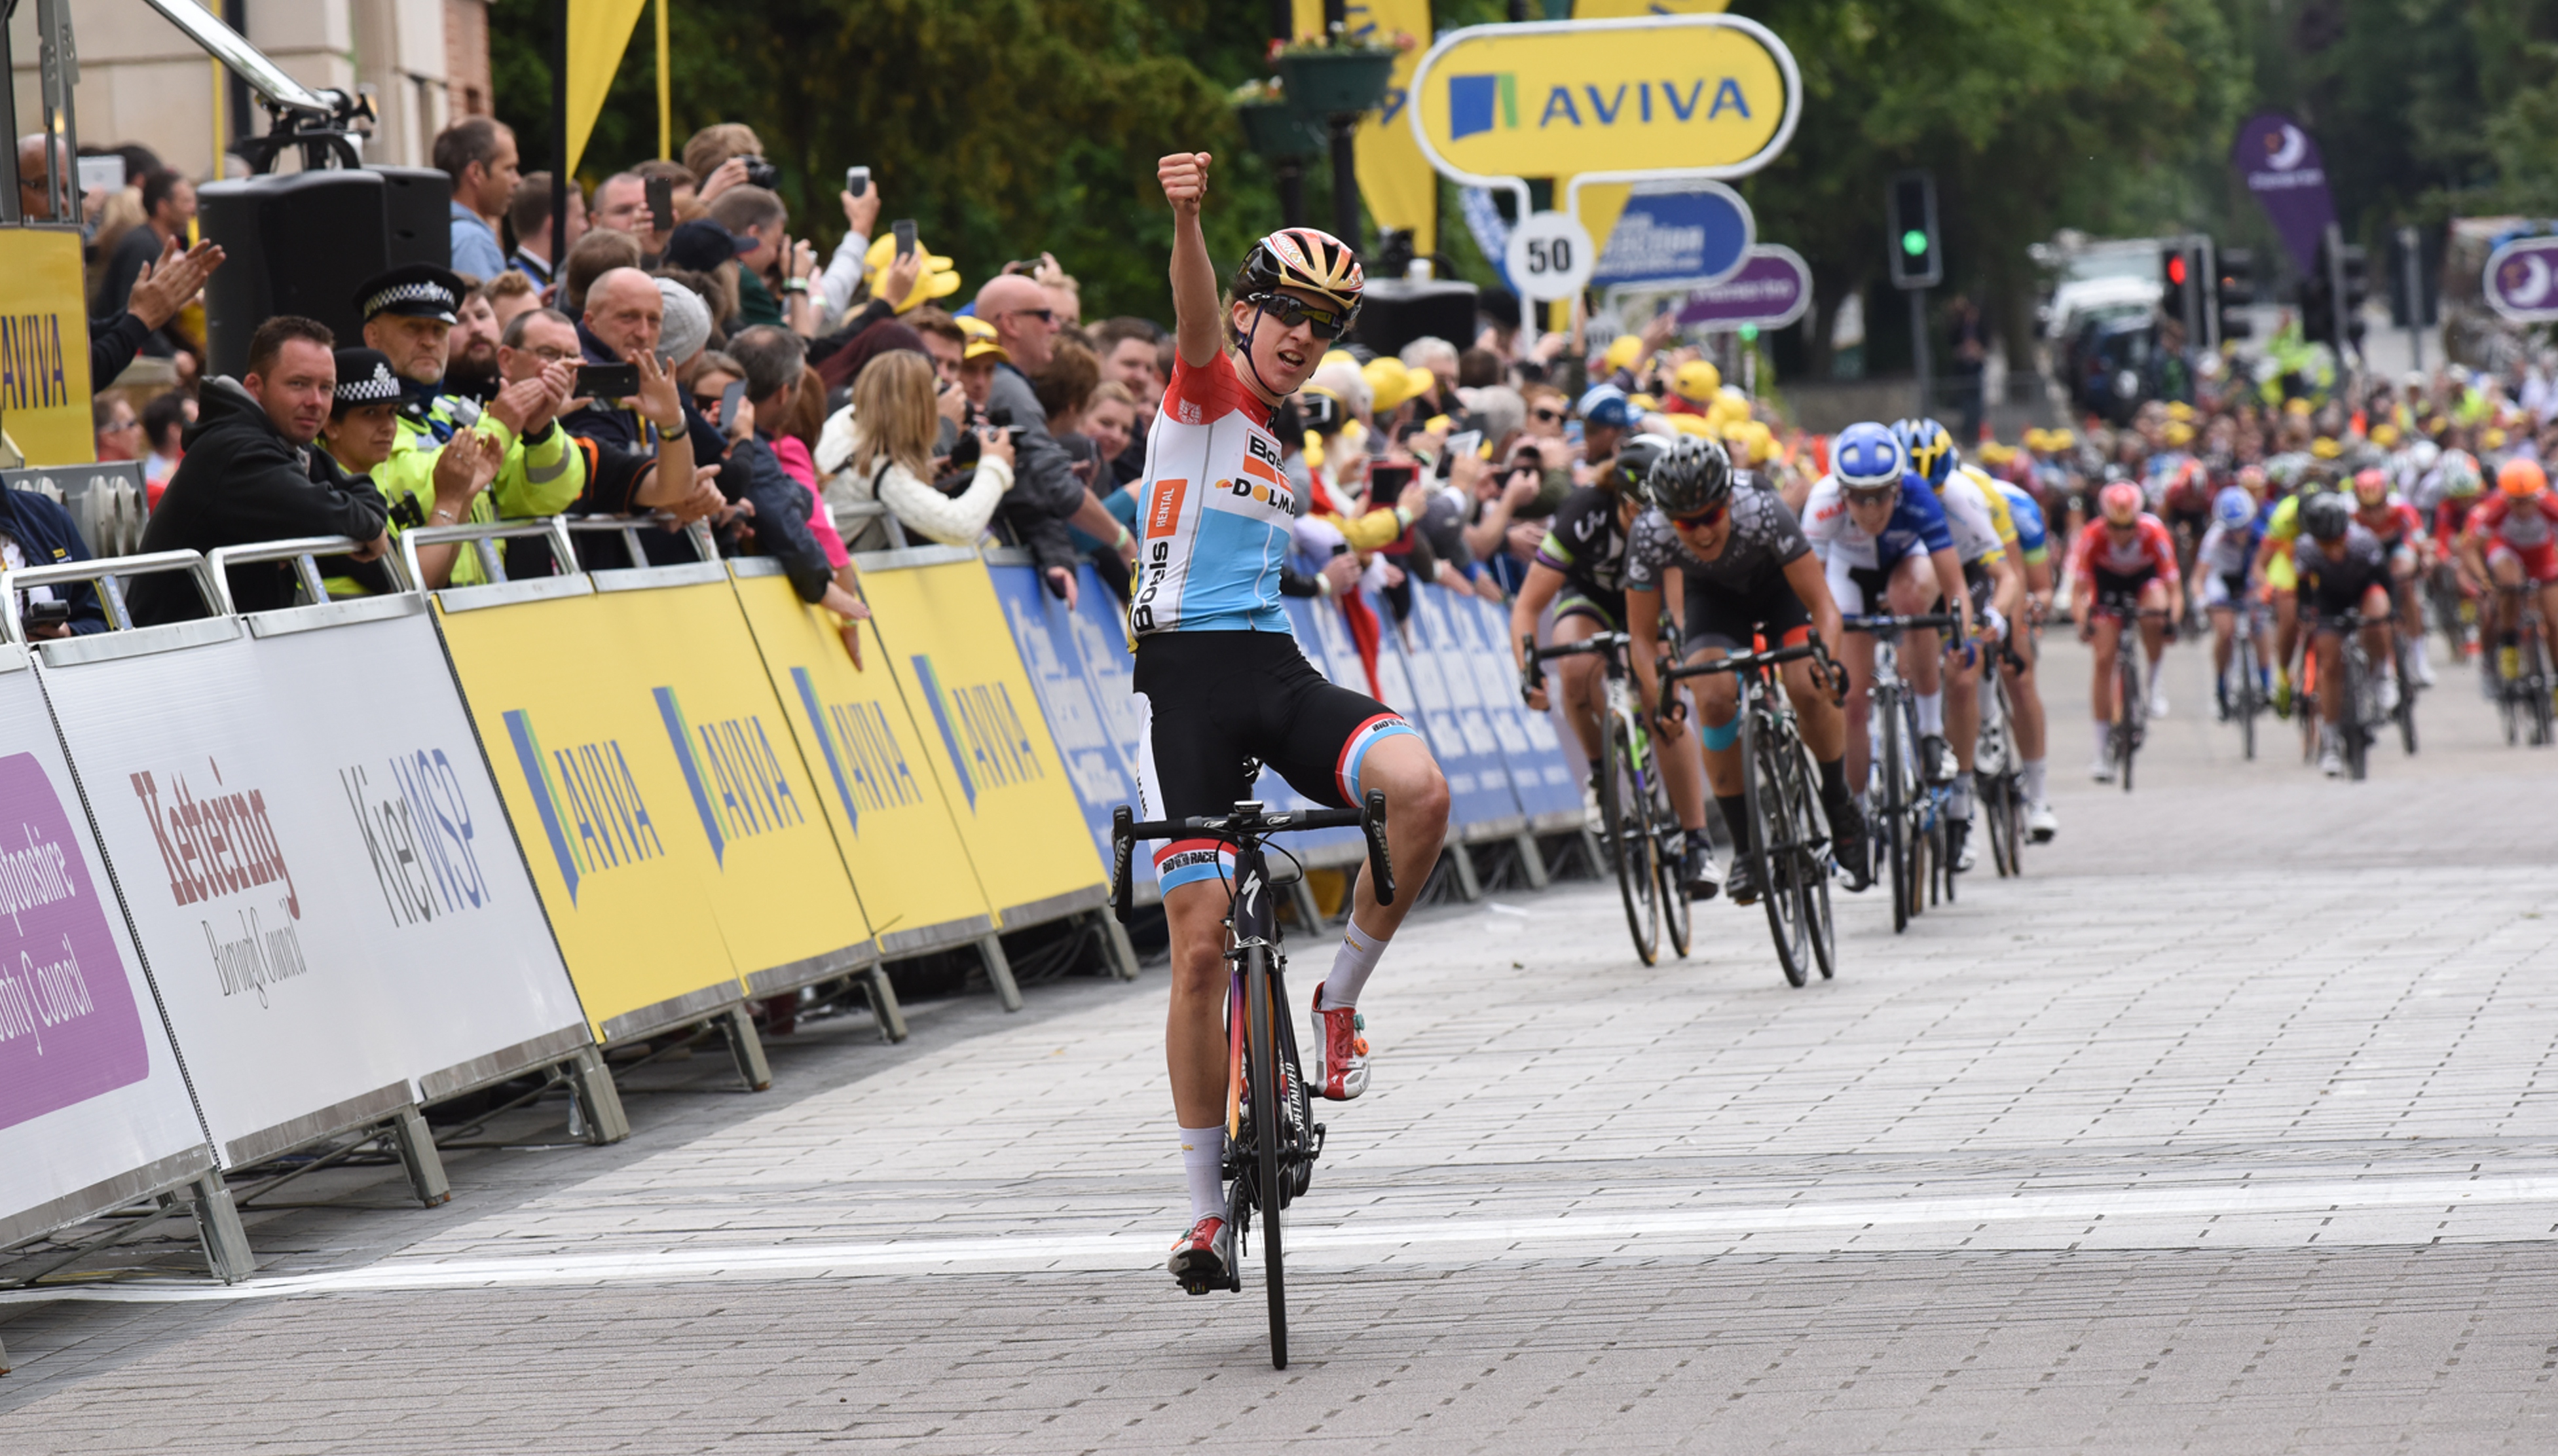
2223 563
1886 547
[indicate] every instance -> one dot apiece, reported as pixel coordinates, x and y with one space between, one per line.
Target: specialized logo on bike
985 736
736 779
863 754
592 812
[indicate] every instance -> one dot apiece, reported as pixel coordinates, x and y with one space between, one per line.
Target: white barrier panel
315 859
94 1106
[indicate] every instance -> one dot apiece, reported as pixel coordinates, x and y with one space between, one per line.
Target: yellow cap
2491 439
2325 448
2178 409
1696 382
1994 453
1338 356
2178 433
1643 403
1697 425
2384 435
1391 382
937 281
2296 406
1622 351
975 328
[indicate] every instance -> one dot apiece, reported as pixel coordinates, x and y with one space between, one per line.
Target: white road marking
1618 1231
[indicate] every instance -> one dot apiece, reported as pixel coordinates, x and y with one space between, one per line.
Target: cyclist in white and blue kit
1223 682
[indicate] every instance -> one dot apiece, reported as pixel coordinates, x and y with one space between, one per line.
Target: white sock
2030 777
1353 964
2416 650
1204 1164
2155 664
1931 712
2104 740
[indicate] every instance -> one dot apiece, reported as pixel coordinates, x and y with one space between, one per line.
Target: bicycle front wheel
1812 862
1771 825
1630 841
2244 661
1262 1043
2403 659
2129 703
2535 679
1669 856
1896 815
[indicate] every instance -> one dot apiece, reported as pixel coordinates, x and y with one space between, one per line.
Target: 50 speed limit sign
1550 257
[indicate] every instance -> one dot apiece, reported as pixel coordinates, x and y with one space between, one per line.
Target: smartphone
857 181
608 381
904 227
730 399
1386 481
661 204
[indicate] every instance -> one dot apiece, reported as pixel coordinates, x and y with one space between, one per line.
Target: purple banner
2282 168
1770 291
68 1028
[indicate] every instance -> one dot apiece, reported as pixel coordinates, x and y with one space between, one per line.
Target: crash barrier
315 873
1444 666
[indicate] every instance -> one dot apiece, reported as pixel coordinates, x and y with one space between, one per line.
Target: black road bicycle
1790 841
1271 1136
1638 830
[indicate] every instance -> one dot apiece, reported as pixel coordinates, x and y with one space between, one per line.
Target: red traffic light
2175 269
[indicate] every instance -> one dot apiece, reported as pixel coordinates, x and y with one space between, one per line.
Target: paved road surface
2226 1130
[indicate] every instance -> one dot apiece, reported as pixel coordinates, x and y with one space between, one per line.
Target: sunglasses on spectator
1291 311
1549 416
1702 520
1045 315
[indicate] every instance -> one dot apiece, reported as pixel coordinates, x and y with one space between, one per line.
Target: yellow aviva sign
1700 94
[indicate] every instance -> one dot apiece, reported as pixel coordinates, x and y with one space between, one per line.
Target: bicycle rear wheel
1771 825
2402 660
2535 681
1262 1042
1999 816
1630 841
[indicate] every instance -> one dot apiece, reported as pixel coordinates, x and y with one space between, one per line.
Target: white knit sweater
952 520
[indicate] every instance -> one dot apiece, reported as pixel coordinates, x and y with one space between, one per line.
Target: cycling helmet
1693 475
1305 258
2461 474
1931 449
1635 461
2370 487
2120 502
2521 478
2233 508
1866 457
2325 516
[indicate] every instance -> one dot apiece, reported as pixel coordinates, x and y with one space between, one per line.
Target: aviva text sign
1694 95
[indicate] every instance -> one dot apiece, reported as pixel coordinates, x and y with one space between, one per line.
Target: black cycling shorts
1730 618
1607 609
2119 594
2328 594
1215 703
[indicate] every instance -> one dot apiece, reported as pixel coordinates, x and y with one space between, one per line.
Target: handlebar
1251 823
1895 625
1742 661
1603 642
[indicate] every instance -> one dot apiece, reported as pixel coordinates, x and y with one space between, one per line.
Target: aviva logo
1486 102
979 725
736 778
590 806
863 756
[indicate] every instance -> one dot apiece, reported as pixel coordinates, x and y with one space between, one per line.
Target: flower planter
1330 81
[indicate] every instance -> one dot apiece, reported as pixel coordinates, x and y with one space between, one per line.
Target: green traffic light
1913 242
1749 334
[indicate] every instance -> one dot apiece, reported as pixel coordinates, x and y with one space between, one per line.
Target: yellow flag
598 31
1400 189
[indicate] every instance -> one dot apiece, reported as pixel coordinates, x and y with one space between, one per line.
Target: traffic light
2182 265
2233 291
2177 272
2357 291
1909 229
2317 305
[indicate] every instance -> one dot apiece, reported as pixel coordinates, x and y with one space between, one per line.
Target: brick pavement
2226 1129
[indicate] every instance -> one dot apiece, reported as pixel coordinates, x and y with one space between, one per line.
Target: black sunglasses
1291 311
1702 520
1548 416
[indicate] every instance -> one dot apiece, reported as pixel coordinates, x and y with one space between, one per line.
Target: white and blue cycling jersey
1214 511
1916 528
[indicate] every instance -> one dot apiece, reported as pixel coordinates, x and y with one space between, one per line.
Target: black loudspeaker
417 205
298 243
1397 311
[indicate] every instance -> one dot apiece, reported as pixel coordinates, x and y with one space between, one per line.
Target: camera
761 172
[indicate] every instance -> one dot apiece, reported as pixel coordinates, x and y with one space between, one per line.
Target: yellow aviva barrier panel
876 783
44 346
945 639
673 829
1667 94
